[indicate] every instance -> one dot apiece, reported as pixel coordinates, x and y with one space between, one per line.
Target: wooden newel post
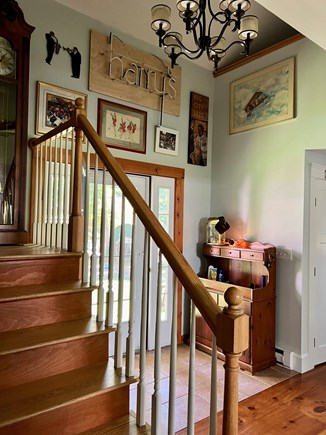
76 219
233 339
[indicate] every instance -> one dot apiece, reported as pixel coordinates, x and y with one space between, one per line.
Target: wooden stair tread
27 400
44 335
30 251
121 426
9 294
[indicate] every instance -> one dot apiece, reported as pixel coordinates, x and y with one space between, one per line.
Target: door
317 261
162 204
160 190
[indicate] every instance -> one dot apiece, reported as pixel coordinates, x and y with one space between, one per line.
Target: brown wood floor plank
296 406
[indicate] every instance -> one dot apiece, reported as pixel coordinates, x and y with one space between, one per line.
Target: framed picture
167 141
122 126
262 98
55 105
198 127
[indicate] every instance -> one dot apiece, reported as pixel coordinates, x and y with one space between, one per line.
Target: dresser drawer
212 250
232 253
256 256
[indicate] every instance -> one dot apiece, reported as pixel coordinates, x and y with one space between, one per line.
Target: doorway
317 261
146 171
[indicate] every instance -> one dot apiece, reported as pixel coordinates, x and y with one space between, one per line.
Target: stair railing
68 163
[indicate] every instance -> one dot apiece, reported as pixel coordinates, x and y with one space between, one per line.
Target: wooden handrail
190 281
34 141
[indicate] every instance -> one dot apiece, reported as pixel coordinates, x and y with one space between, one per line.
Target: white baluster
36 193
192 368
110 293
40 197
118 333
66 201
130 342
71 135
54 195
49 197
86 257
157 397
213 400
101 290
173 357
141 387
94 256
58 243
45 194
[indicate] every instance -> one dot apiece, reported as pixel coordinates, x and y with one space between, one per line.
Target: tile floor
248 385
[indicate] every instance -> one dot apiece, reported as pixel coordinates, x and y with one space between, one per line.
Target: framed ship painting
262 98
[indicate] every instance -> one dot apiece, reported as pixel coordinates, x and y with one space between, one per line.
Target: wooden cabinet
254 270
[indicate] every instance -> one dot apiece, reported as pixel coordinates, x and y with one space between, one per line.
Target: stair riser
30 365
75 418
39 271
46 310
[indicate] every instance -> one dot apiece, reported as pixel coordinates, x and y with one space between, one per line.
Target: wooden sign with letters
122 71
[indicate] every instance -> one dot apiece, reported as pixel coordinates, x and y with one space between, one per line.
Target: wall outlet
284 254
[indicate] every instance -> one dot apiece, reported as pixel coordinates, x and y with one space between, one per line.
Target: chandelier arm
183 53
197 21
180 44
225 26
245 44
194 33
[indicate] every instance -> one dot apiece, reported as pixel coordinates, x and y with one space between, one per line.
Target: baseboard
302 363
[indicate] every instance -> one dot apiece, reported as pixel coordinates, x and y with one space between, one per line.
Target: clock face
7 58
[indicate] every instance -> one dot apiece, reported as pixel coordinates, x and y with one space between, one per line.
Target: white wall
72 29
258 181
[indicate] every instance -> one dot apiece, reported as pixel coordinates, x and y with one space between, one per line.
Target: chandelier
200 19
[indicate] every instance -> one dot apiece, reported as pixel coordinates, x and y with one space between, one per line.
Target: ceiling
136 22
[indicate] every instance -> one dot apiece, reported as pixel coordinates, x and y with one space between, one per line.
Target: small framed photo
121 126
167 141
54 106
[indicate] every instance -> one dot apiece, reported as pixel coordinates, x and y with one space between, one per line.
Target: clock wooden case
15 36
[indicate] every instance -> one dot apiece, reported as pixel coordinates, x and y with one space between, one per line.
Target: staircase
55 374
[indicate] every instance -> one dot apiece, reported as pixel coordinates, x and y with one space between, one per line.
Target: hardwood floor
296 406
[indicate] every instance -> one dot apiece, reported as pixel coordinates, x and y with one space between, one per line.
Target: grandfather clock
15 36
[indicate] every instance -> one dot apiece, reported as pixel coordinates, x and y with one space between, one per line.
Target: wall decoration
115 67
262 98
198 126
54 106
52 46
122 126
75 61
166 141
